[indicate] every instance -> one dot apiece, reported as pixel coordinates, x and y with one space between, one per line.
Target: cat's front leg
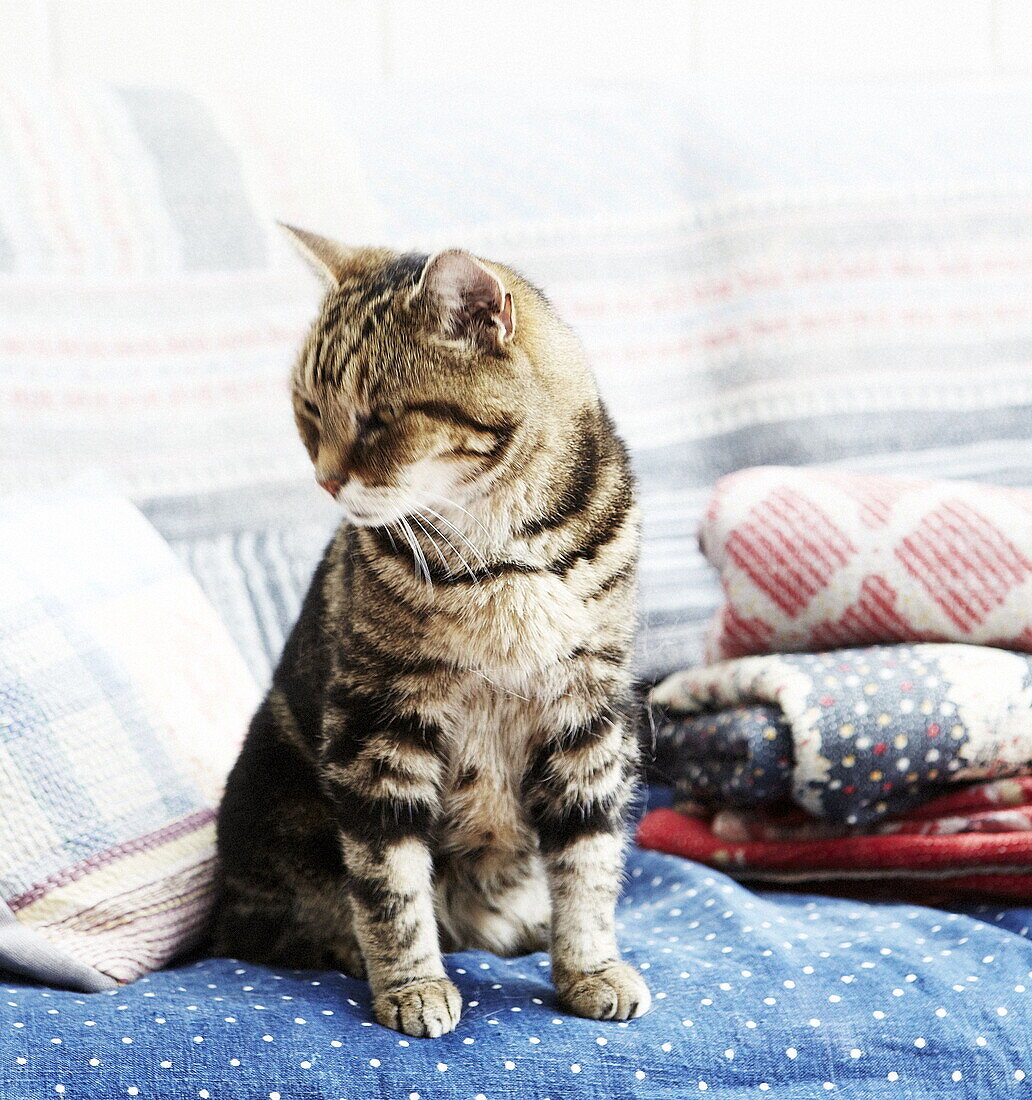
384 783
390 888
578 789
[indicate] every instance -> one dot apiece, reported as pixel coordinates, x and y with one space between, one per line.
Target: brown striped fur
444 760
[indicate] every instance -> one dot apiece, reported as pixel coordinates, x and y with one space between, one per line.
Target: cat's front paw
424 1009
617 992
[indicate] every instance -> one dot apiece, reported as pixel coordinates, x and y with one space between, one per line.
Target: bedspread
783 995
853 735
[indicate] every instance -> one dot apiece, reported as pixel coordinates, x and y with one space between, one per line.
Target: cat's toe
615 993
424 1009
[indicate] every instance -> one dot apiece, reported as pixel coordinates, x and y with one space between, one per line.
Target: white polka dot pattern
782 995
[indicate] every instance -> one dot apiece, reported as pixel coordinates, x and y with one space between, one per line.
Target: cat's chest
518 623
490 736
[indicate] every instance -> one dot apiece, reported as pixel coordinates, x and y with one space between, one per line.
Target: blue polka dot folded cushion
853 763
122 704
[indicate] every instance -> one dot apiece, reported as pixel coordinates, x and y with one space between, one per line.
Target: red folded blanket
976 841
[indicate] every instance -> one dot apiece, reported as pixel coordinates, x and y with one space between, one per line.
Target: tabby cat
444 759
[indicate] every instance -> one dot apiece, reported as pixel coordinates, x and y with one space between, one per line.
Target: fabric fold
853 735
899 769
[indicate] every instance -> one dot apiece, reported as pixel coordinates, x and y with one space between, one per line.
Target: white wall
305 41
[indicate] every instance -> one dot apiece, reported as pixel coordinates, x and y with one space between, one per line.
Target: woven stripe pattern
742 300
122 703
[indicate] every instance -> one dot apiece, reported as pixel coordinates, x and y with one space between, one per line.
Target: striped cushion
760 278
122 705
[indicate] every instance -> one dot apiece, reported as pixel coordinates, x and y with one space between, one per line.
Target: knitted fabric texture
122 702
813 560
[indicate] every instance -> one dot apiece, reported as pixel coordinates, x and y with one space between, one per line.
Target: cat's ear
473 300
328 259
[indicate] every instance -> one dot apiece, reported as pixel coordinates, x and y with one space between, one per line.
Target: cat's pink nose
331 486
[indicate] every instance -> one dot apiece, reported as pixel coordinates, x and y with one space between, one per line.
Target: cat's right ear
472 299
328 259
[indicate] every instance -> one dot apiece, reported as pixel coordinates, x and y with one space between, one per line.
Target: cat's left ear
328 259
473 300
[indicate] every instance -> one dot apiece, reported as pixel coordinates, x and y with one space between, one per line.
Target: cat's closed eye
380 418
311 408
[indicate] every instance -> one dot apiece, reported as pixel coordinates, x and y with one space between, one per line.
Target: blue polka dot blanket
883 762
781 995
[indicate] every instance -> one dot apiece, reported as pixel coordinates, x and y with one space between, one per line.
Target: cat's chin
371 519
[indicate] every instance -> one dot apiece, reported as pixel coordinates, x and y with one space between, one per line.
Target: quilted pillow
122 705
813 560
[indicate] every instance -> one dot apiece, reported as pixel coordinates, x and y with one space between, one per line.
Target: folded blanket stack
888 761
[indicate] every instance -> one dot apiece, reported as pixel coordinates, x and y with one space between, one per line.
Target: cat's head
420 379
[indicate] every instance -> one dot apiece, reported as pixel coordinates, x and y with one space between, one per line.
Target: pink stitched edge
109 855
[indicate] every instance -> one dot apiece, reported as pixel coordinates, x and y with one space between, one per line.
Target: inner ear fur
473 299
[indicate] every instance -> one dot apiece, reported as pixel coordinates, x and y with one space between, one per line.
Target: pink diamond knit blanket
817 560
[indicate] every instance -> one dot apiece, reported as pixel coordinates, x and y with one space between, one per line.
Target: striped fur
444 759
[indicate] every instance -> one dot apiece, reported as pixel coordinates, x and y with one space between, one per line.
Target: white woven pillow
122 705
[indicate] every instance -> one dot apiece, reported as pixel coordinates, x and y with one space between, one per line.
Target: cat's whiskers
465 511
394 523
423 559
424 521
458 531
418 557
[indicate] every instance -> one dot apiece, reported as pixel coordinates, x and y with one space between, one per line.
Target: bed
796 275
